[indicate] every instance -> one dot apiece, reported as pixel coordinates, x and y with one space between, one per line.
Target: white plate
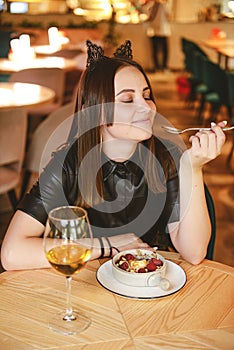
175 274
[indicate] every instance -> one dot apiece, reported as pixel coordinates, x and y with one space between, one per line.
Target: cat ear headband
96 53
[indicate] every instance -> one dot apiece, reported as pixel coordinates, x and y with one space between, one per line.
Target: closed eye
127 101
125 97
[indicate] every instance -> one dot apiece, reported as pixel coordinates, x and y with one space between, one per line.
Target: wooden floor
218 177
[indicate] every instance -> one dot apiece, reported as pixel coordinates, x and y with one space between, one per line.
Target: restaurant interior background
110 22
195 18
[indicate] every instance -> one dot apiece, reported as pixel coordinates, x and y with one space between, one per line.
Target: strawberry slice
129 257
124 265
151 266
141 270
157 262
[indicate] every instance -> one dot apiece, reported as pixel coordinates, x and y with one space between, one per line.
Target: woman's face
134 110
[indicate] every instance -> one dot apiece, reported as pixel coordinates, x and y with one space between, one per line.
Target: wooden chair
13 130
53 78
72 78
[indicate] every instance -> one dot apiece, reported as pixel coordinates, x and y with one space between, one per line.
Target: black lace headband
96 53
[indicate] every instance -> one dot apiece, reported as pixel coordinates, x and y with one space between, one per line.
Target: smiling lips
147 120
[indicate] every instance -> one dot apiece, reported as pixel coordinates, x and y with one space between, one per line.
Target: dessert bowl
140 268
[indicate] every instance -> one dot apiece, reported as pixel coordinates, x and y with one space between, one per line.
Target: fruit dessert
139 263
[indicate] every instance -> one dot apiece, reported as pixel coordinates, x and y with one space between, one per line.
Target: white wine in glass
68 244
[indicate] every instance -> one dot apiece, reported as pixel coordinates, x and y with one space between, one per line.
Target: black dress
129 205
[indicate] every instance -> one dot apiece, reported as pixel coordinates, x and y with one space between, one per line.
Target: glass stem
69 313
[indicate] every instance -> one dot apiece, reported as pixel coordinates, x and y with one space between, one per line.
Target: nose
143 106
142 103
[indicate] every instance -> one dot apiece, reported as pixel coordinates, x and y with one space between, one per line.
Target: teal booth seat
5 38
230 79
215 78
191 50
211 210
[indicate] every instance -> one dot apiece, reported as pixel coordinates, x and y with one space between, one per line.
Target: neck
119 150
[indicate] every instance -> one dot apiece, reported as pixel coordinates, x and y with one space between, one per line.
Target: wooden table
217 43
46 50
14 95
8 66
227 53
199 316
223 47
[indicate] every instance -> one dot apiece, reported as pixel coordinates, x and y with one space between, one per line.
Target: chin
144 135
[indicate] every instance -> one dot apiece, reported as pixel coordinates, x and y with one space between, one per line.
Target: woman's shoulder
56 185
65 156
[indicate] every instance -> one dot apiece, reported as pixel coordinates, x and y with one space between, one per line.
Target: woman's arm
192 235
22 246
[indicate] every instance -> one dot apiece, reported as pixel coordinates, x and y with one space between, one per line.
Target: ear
124 51
95 53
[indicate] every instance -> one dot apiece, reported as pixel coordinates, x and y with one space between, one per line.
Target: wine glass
67 244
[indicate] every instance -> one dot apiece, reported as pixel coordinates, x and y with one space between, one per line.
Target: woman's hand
206 145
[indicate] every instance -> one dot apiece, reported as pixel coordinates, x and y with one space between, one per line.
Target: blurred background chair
53 78
211 210
5 38
201 89
72 78
230 79
215 78
191 51
48 136
13 130
230 157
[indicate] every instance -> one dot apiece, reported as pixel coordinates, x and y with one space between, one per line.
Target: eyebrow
130 90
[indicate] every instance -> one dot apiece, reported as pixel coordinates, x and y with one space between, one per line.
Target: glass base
77 324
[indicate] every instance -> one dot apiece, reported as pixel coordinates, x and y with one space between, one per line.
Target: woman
139 190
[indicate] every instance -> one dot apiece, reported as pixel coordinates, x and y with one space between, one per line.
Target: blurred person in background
158 31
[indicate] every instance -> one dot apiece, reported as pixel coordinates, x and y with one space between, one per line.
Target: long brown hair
95 102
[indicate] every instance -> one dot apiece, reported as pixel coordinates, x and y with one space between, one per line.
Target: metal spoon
176 131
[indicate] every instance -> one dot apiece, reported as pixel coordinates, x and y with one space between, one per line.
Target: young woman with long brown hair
139 189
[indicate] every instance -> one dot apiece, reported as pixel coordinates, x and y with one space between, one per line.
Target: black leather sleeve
56 186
